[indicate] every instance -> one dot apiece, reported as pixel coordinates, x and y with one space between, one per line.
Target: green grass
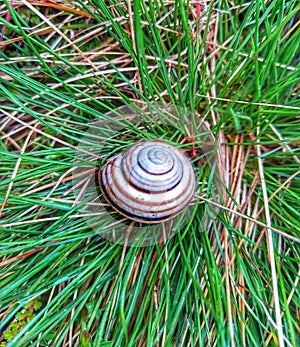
63 69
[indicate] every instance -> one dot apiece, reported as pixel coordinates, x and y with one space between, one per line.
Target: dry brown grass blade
60 7
279 327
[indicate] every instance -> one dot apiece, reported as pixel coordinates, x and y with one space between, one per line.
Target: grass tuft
67 65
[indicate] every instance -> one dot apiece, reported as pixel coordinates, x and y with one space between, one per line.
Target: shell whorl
151 182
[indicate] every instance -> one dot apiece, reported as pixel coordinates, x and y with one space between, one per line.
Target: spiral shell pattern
151 182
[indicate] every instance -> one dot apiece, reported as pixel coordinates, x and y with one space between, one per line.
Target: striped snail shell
151 182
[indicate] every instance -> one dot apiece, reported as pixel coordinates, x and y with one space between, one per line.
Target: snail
151 182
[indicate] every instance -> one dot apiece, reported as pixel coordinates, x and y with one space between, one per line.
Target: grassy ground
67 64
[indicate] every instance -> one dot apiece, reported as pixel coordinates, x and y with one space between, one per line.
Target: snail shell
151 182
